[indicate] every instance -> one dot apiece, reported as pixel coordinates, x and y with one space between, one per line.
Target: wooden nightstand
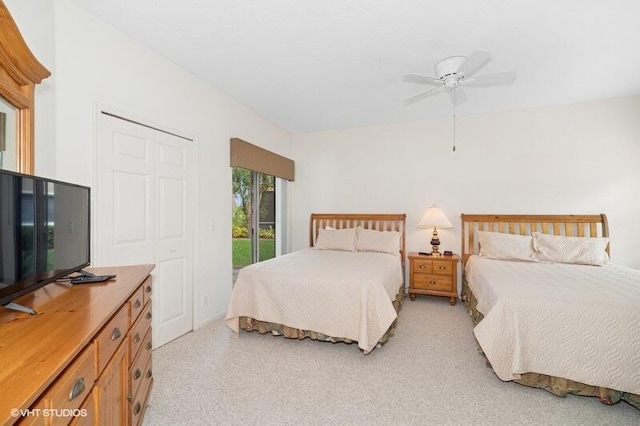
434 276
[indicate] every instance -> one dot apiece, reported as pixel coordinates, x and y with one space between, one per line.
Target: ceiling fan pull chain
454 120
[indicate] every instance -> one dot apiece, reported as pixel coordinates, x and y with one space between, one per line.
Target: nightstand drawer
422 266
443 267
432 282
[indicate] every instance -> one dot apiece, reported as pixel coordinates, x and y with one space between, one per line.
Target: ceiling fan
455 72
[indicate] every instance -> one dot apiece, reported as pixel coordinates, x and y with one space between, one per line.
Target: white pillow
380 241
577 250
336 239
498 245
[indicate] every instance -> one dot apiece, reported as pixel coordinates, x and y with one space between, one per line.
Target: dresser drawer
87 415
138 331
443 267
76 383
137 368
69 391
147 287
422 266
39 420
136 304
139 401
110 337
432 282
143 322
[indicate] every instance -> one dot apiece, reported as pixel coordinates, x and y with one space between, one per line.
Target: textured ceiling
328 64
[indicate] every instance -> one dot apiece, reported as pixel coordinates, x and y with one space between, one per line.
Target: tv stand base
19 308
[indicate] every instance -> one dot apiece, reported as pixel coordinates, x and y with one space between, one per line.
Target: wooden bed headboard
376 222
568 225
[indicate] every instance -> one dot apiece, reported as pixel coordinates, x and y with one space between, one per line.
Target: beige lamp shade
435 218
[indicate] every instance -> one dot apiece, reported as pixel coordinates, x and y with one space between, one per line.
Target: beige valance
252 157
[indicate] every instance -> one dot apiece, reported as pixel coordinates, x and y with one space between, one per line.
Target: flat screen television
44 232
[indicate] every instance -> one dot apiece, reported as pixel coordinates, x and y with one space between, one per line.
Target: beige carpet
429 373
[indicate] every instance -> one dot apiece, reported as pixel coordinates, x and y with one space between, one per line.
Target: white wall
580 158
98 67
35 21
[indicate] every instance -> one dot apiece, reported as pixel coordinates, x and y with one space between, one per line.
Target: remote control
86 279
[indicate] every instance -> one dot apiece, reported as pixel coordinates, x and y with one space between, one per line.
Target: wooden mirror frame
20 71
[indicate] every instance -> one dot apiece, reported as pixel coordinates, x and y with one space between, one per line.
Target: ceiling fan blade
458 96
423 95
423 79
495 79
474 62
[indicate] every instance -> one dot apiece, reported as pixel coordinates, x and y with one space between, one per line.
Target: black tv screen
44 232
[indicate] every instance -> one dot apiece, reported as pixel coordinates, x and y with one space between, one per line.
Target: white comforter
336 293
577 322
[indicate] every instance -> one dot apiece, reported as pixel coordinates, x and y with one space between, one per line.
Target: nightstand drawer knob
422 266
432 282
442 267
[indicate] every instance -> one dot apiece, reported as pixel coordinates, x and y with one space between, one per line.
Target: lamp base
435 242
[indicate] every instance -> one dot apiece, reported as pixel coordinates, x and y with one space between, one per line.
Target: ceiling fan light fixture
449 66
451 83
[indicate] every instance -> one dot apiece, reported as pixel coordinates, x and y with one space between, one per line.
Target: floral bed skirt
556 385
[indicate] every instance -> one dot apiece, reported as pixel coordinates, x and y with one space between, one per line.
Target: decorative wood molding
20 71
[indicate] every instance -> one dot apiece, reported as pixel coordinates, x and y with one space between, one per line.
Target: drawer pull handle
432 282
137 374
136 408
422 266
442 267
136 338
149 346
148 315
137 304
116 334
129 397
149 374
148 289
78 388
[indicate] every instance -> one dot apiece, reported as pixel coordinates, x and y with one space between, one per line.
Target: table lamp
435 218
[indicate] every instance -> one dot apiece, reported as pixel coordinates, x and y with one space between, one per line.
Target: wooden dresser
85 358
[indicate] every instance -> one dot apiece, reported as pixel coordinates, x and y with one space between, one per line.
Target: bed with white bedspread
564 327
335 294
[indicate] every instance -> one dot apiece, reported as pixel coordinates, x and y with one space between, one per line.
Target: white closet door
124 194
173 291
144 203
